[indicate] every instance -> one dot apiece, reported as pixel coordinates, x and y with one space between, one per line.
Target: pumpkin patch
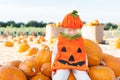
35 61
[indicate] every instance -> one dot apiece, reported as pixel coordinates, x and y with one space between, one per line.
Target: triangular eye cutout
79 50
63 49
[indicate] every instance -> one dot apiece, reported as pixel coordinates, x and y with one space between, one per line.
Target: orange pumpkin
42 39
40 76
101 73
29 67
8 44
37 41
14 63
72 20
32 51
71 76
23 41
117 44
43 56
22 47
46 69
45 47
113 63
30 38
94 52
11 73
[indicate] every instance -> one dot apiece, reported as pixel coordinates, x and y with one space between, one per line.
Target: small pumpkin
8 44
46 69
30 38
72 20
37 41
11 73
32 51
29 67
43 56
42 39
45 47
40 76
22 47
71 76
117 43
101 73
93 51
23 41
113 63
14 63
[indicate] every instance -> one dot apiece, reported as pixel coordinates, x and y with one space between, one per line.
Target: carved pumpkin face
71 54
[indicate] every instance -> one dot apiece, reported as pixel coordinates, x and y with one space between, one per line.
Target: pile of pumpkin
92 23
55 24
117 43
38 66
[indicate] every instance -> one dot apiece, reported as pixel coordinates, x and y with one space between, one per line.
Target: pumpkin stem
102 63
33 69
75 13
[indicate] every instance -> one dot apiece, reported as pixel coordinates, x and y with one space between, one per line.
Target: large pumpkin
32 51
40 76
93 51
72 20
46 69
113 63
43 56
101 73
29 67
11 73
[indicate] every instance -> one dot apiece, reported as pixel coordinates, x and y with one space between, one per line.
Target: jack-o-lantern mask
71 54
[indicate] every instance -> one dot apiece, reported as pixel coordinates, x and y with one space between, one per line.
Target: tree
108 26
3 24
32 23
18 25
42 24
11 23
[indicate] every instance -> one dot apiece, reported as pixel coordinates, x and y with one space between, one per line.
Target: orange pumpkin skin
14 63
40 76
70 56
29 67
46 69
113 63
101 73
43 56
8 44
32 51
71 76
94 52
11 73
22 47
72 20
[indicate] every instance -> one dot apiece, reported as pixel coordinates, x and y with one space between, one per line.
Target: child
69 54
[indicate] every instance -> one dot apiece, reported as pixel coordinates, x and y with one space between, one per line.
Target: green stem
75 13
